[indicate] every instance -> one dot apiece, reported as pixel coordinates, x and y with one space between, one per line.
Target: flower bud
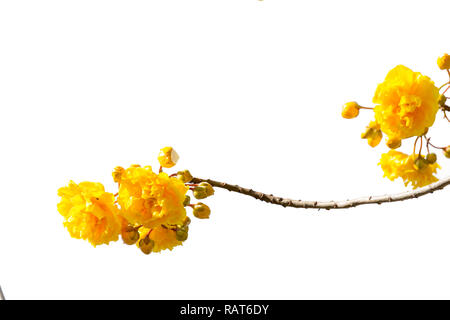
442 100
187 201
447 152
184 176
168 157
375 139
181 233
444 62
420 163
366 134
394 143
350 110
200 192
201 211
130 235
117 174
146 245
373 134
208 187
431 158
187 221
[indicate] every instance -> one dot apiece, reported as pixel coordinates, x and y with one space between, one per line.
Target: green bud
208 187
187 221
184 176
200 192
146 245
394 143
420 162
130 235
181 233
187 201
431 158
442 100
201 211
447 152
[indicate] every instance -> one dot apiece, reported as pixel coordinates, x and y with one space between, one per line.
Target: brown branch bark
285 202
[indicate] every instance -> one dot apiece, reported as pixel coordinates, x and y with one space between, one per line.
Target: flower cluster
148 210
406 105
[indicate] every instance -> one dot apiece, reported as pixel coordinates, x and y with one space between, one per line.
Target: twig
285 202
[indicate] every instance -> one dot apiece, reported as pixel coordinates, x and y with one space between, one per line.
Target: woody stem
327 205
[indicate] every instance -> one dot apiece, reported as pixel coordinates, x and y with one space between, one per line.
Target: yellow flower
350 110
168 157
444 62
392 164
151 199
419 177
164 238
407 103
396 164
89 212
372 134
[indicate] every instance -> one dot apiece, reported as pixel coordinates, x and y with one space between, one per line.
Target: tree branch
285 202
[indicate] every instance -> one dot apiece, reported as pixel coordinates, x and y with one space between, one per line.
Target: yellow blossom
89 212
407 103
444 62
419 177
151 199
396 164
392 164
163 237
168 157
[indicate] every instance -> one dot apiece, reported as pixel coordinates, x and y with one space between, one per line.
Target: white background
247 92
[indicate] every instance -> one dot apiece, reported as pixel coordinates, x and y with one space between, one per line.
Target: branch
285 202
